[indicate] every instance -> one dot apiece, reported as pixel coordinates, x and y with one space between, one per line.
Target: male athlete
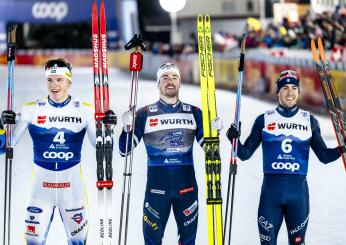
57 125
286 133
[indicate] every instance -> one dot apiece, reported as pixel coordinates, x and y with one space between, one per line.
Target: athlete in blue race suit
57 125
168 128
286 133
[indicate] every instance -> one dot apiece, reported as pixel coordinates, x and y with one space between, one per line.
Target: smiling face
58 87
169 85
288 95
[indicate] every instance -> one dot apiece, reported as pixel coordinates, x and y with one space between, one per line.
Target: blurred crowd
330 26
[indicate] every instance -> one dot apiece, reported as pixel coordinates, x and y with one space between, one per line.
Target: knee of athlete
297 240
32 238
151 223
266 230
152 231
76 224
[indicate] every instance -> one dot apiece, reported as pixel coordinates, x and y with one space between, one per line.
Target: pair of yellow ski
211 136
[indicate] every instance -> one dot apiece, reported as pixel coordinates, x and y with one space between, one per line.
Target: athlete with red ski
57 125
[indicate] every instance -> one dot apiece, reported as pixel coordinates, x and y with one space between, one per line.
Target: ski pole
11 56
233 160
136 60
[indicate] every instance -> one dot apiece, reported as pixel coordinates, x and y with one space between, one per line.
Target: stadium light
172 7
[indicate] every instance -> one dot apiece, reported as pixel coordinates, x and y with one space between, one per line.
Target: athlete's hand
217 124
110 118
8 117
342 149
233 133
127 118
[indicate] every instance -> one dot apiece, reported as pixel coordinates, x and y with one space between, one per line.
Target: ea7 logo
153 122
41 119
264 223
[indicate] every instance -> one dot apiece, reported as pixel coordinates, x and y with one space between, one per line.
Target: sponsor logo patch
155 191
186 190
77 218
191 209
153 108
264 223
151 224
271 126
153 122
34 210
56 185
41 119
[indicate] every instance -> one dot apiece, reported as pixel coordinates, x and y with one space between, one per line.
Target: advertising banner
51 12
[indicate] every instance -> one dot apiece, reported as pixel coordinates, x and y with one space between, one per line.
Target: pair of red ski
104 142
332 100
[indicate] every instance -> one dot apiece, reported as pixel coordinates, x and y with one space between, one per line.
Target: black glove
232 132
8 117
110 118
342 149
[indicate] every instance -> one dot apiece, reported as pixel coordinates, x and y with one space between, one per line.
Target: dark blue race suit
286 136
168 132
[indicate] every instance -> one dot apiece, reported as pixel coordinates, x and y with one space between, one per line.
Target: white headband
63 71
167 67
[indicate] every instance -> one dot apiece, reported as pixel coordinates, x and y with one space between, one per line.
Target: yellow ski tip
314 52
200 18
321 49
207 18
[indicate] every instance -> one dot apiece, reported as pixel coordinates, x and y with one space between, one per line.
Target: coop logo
60 155
50 10
41 119
287 166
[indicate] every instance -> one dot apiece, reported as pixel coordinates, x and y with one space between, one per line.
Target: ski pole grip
242 54
136 41
136 61
11 42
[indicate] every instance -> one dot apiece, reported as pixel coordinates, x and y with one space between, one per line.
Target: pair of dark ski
329 91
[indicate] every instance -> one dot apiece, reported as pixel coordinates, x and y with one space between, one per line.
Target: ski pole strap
136 41
342 149
11 43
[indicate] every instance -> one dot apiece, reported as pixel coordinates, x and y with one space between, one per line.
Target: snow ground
327 183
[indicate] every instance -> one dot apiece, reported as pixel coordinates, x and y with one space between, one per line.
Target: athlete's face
169 84
288 95
58 87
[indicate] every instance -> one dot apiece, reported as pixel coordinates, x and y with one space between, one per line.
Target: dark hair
60 62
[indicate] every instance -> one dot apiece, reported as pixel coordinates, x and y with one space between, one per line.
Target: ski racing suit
168 132
57 131
286 136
